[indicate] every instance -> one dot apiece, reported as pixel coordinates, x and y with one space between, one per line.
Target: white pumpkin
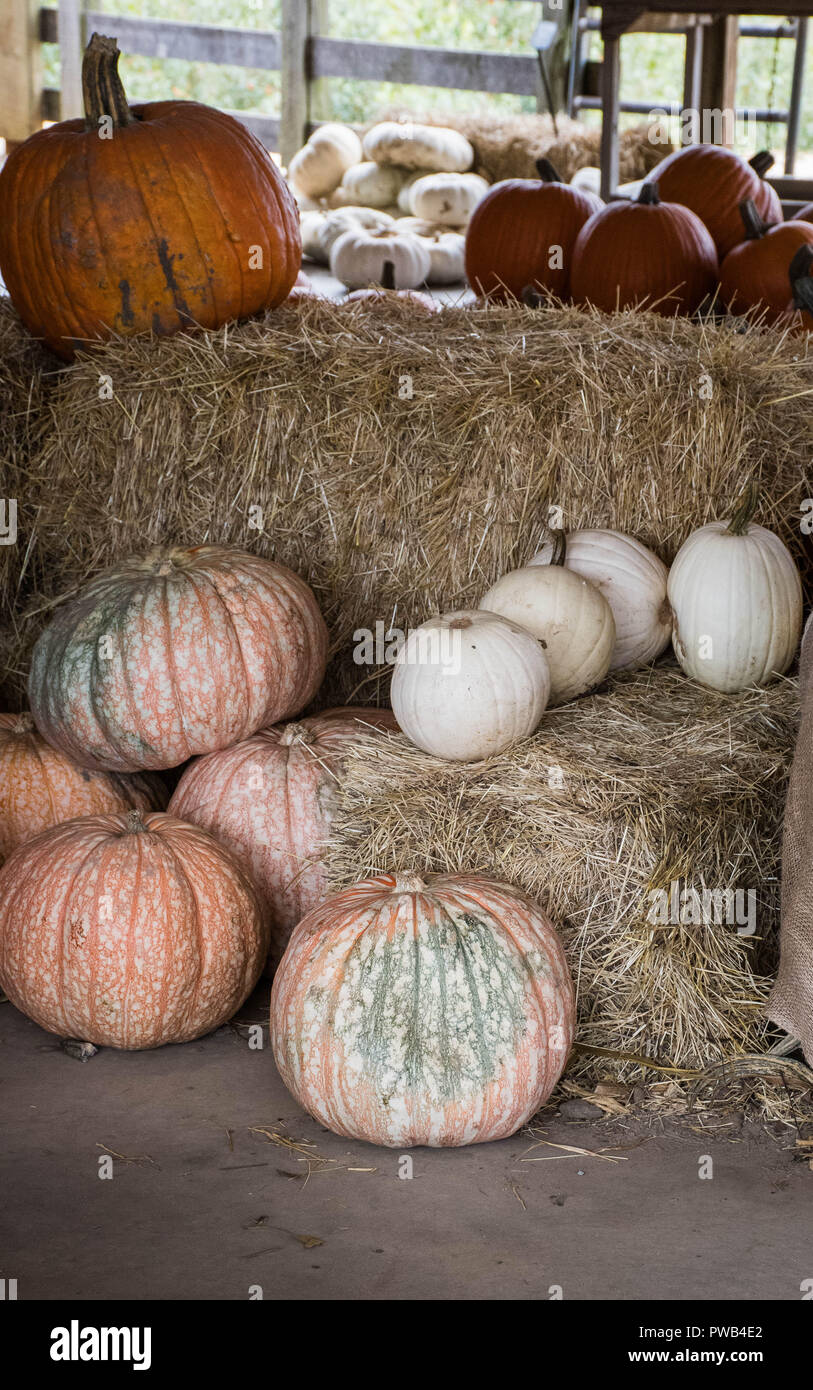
342 220
320 165
633 581
310 228
570 617
370 185
737 601
468 684
447 258
449 199
588 179
358 258
418 147
403 192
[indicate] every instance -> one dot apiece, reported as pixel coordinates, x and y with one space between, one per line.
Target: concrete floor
202 1206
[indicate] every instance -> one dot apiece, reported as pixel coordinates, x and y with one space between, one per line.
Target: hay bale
651 781
507 147
401 463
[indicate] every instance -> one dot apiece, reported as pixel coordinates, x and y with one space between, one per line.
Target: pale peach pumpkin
431 1011
128 932
269 799
41 787
174 654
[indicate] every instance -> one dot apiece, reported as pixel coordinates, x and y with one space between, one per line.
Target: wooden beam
718 79
169 38
320 104
72 42
610 86
295 102
425 67
20 70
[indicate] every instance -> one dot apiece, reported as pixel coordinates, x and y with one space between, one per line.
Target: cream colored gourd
320 165
469 684
737 601
569 616
405 189
358 259
633 581
372 186
449 199
447 257
587 179
310 228
418 147
343 220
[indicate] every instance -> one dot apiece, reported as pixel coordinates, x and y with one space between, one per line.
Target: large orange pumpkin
128 932
270 799
713 181
522 234
41 787
657 255
153 217
423 1011
755 273
175 654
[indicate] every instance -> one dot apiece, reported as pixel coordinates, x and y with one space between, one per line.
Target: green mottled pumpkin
432 1011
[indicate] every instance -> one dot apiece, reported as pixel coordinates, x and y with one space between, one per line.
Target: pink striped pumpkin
41 787
269 800
409 1011
175 654
128 932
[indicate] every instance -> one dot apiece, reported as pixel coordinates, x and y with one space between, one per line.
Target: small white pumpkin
418 147
588 179
570 617
633 581
449 199
469 684
737 601
342 220
358 258
403 193
370 185
447 258
320 165
310 228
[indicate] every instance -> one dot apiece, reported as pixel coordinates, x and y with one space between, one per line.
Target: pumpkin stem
135 823
388 276
101 85
559 552
547 171
24 723
408 883
761 162
531 298
295 733
744 511
458 623
648 196
751 220
801 283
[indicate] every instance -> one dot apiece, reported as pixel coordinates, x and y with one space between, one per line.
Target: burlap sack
790 1004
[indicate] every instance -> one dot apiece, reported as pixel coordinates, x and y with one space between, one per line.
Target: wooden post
610 84
72 43
557 57
719 76
320 109
295 104
20 70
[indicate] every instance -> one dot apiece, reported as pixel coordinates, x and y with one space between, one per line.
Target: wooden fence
301 52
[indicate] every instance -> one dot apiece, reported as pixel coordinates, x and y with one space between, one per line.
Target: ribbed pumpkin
41 787
174 654
523 233
128 932
804 214
737 600
431 1011
755 273
713 181
153 217
647 253
270 800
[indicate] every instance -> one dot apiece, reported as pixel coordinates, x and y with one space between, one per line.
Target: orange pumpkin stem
744 511
135 823
648 195
102 88
547 171
754 226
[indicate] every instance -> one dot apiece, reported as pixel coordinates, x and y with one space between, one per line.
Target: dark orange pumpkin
755 273
522 235
804 214
649 254
800 308
713 181
157 217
